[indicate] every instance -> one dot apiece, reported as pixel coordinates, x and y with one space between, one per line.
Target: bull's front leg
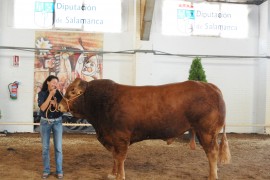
121 169
114 171
119 155
118 171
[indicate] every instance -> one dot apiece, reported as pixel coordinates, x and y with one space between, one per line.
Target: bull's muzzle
61 107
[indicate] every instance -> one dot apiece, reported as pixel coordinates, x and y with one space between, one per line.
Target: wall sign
16 61
206 19
91 15
84 15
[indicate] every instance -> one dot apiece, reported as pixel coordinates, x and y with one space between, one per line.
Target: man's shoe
60 176
45 175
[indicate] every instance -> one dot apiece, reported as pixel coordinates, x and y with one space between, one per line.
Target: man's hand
52 92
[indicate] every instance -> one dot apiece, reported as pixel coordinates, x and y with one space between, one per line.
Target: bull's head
74 91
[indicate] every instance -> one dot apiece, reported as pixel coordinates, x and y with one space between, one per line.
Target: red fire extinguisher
13 89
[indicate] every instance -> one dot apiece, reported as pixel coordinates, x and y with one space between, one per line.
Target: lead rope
50 108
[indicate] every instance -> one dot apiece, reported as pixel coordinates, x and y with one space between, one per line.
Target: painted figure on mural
87 67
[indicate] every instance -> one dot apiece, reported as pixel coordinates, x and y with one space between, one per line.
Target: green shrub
196 71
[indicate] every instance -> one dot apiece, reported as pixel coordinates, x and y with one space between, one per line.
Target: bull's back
174 97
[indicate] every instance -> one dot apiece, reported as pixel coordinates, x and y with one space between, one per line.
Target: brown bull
123 115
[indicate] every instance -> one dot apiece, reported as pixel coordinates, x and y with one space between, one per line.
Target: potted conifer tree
196 71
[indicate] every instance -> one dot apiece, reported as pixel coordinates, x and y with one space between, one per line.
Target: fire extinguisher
13 89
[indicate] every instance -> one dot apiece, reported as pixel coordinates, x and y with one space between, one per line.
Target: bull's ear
82 87
77 81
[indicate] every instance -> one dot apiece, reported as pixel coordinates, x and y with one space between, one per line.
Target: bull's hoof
170 141
118 177
111 176
212 178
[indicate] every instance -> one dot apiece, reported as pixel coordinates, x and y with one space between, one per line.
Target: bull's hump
101 82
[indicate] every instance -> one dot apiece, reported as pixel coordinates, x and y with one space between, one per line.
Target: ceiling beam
147 9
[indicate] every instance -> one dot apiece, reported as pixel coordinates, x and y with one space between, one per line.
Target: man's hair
49 78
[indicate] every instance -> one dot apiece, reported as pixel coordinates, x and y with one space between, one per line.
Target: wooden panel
147 9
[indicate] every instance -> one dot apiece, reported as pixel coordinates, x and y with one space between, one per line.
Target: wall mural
66 62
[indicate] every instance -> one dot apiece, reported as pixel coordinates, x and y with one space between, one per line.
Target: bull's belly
163 134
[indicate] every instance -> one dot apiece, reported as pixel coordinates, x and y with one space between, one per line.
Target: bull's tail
224 150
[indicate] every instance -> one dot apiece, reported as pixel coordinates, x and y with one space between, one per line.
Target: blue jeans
45 131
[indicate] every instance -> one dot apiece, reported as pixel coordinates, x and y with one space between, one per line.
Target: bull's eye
72 91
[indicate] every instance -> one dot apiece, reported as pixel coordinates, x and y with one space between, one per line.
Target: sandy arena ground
85 158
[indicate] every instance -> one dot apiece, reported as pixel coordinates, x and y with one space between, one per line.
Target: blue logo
47 7
44 14
185 14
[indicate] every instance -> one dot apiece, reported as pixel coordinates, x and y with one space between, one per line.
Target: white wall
19 110
264 49
236 77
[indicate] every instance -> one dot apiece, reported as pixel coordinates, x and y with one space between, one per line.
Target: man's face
53 84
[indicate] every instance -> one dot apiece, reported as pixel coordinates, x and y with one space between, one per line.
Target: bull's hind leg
210 146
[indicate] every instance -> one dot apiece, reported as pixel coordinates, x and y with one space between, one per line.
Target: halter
67 100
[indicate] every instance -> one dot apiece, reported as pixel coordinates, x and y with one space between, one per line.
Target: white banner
91 15
83 15
204 19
